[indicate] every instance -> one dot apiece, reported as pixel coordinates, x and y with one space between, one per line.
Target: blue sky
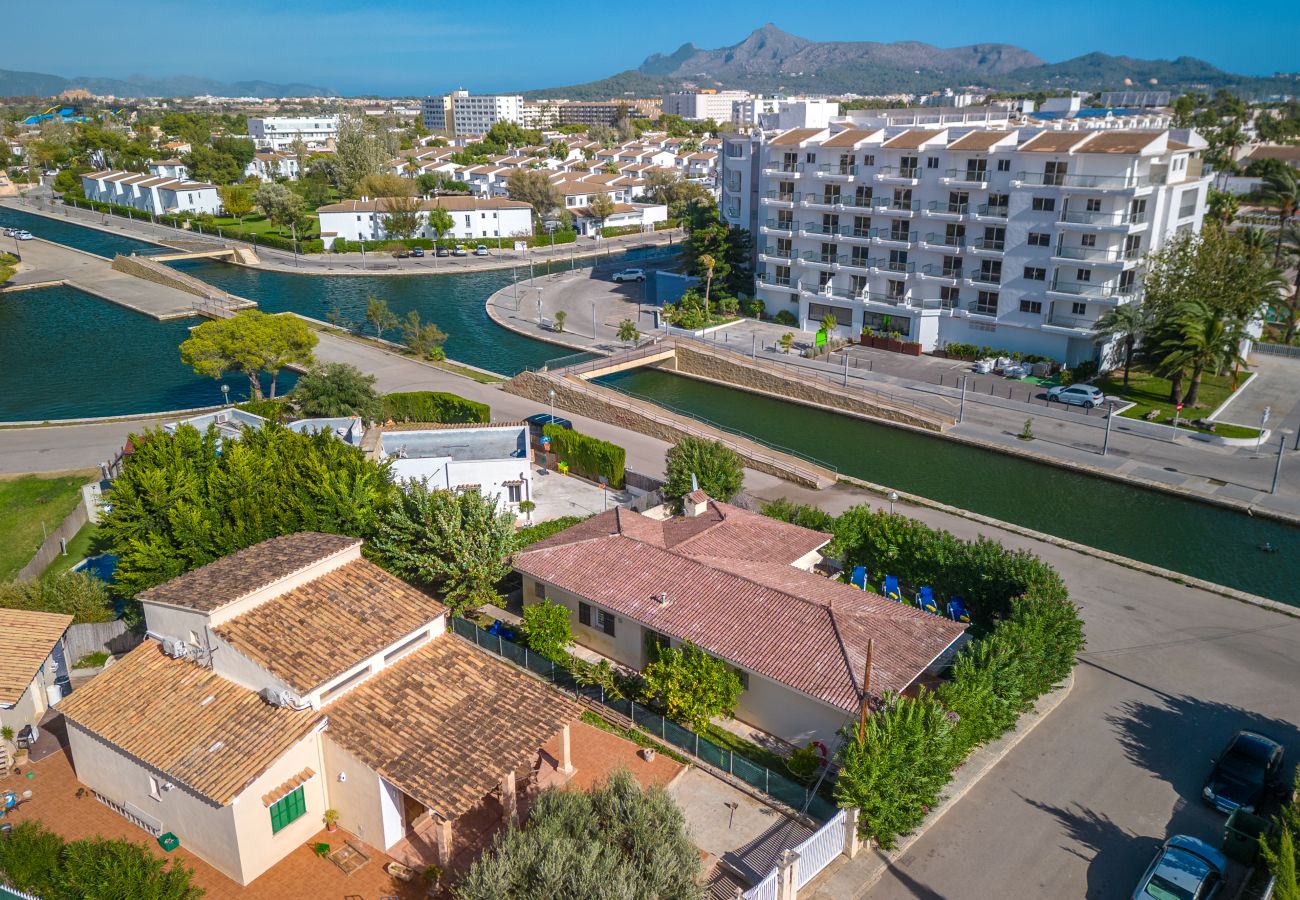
411 47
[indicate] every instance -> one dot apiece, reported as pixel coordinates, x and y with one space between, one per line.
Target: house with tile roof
742 587
294 677
33 665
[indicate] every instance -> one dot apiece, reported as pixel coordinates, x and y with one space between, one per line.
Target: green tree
207 164
1202 338
1125 324
829 323
30 858
401 218
717 468
534 186
423 338
546 629
691 686
614 841
1222 206
237 200
185 499
601 207
440 222
358 153
382 185
708 264
1282 192
627 331
510 134
455 543
273 199
239 149
250 342
99 867
560 316
380 316
77 594
1291 254
1282 865
336 389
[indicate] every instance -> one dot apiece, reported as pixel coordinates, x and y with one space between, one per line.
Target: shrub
433 406
531 534
753 308
803 514
1086 370
546 629
77 594
588 456
691 686
271 410
717 468
786 318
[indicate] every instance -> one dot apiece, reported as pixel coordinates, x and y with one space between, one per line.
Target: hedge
617 230
506 243
272 410
588 456
531 534
433 406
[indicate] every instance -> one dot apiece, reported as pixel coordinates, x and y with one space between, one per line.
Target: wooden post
444 843
865 708
509 799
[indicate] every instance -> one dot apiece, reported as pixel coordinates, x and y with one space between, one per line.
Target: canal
141 372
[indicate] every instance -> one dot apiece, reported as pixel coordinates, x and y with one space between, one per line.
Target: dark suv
1250 765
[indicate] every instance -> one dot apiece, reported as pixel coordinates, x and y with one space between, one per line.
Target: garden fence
821 849
1275 349
56 541
114 637
757 776
767 889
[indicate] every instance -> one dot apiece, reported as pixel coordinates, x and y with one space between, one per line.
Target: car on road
24 236
630 275
10 232
443 251
459 251
481 250
1250 765
401 254
1077 395
1186 868
417 252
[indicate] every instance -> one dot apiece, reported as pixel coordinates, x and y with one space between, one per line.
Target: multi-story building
280 132
472 217
701 105
437 114
539 114
591 113
463 113
1017 239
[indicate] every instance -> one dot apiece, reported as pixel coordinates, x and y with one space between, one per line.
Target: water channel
1205 541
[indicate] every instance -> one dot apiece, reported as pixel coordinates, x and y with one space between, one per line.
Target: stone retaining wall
720 369
617 409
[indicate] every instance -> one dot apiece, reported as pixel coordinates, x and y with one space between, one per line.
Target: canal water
132 364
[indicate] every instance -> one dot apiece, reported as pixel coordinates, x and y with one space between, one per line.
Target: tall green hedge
433 406
588 456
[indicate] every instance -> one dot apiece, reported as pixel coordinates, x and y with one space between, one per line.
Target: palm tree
707 263
1126 323
1282 192
1255 239
1291 250
1203 338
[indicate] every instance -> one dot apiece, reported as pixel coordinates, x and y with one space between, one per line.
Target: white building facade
474 114
472 217
1011 239
494 459
279 132
716 105
151 194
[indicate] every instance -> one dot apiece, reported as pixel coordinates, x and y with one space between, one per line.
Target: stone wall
614 408
156 272
722 368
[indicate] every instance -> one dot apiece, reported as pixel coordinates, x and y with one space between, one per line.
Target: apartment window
958 201
810 158
952 266
288 808
1083 274
902 198
975 169
908 165
868 159
829 252
898 230
861 226
1078 309
990 271
783 247
1044 204
1127 279
898 260
987 302
932 162
605 622
584 614
1087 240
1039 239
824 278
1138 210
514 493
539 590
1054 173
1132 246
1187 204
1093 206
894 289
1031 306
950 296
999 202
858 284
1004 165
1034 273
831 194
862 196
860 256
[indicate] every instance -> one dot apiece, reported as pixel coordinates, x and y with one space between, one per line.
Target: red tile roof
731 590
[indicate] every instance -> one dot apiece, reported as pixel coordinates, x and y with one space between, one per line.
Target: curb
872 863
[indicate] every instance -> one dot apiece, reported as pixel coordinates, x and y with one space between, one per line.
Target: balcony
781 169
899 174
890 236
940 210
1111 255
988 245
977 178
1097 290
857 262
772 281
780 198
773 252
986 211
944 241
819 229
828 260
975 308
937 270
1101 219
778 226
847 173
895 300
859 235
828 290
897 207
882 264
986 276
821 201
1074 323
1084 182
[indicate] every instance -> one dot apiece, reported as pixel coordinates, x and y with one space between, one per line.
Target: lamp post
961 410
552 395
1105 445
225 395
539 306
593 320
1277 469
893 498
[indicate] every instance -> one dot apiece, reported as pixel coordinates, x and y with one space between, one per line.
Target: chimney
696 503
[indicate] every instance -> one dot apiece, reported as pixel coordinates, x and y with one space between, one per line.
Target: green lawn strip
474 374
262 225
78 549
1151 392
26 503
91 660
635 735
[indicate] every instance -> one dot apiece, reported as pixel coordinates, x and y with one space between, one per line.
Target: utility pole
1105 446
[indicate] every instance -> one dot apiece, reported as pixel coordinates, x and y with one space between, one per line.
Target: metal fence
1276 349
757 776
6 892
765 890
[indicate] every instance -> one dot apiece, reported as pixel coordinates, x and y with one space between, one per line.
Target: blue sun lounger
892 590
957 610
859 577
925 600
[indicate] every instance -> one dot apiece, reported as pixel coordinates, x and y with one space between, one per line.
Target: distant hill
770 60
38 84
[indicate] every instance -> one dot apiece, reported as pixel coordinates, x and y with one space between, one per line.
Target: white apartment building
716 105
1014 239
150 193
463 113
472 217
784 112
279 132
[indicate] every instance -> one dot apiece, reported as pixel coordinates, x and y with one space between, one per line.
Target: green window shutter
288 808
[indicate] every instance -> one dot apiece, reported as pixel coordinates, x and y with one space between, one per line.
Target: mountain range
770 60
39 84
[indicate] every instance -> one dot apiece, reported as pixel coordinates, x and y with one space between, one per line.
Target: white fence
7 891
820 850
765 889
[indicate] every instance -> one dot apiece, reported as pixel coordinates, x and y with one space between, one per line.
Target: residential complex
280 132
150 193
1018 239
463 113
472 217
718 106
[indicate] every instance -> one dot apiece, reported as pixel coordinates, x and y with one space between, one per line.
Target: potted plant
526 507
331 817
562 467
865 337
912 348
432 875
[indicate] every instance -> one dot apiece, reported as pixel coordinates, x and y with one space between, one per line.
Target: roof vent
216 746
663 599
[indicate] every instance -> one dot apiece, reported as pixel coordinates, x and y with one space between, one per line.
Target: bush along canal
1204 541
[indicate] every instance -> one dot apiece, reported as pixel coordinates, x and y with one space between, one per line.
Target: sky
415 47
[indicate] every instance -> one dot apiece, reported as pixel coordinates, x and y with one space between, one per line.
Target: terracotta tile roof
292 784
795 137
979 140
1056 141
913 138
318 631
205 732
848 138
730 591
26 641
1287 154
447 722
1179 145
222 582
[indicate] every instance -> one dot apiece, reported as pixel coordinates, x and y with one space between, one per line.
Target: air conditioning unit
176 649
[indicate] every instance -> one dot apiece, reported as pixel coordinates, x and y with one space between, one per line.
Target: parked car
1185 869
630 275
401 254
459 251
1077 395
443 251
538 421
417 252
10 232
481 250
24 236
1250 765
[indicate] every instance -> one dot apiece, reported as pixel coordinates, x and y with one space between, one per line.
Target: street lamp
893 498
225 395
1281 447
593 320
552 394
539 306
1105 446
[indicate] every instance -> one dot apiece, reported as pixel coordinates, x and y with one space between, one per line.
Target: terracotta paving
596 753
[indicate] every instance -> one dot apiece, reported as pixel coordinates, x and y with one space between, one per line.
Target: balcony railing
936 270
970 176
836 169
1098 289
776 252
907 173
892 265
824 259
894 235
857 262
944 240
781 168
991 212
986 276
776 225
773 281
1095 254
782 196
819 228
1063 179
853 232
1066 321
822 200
980 309
1084 217
993 245
948 209
888 204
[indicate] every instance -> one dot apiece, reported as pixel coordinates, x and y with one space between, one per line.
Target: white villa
494 459
472 217
150 193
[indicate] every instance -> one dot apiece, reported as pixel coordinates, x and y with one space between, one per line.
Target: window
1040 239
1031 306
1083 274
605 622
932 162
869 159
1093 206
539 590
584 614
1054 173
950 296
810 158
1004 165
514 493
288 808
1187 204
987 302
1044 204
1078 309
1034 273
907 166
1087 240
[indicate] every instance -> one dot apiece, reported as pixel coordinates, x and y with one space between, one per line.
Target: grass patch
78 549
748 749
91 660
259 225
635 735
1149 392
27 503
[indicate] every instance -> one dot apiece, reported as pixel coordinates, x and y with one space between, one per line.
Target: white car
481 250
24 236
630 275
1085 395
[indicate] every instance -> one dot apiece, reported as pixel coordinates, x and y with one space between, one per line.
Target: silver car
1077 395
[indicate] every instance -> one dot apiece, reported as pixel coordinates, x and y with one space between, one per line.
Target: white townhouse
150 193
170 168
472 217
1018 239
268 165
493 459
279 132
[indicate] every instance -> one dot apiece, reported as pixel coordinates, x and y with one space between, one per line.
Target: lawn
78 549
27 503
259 224
1149 392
